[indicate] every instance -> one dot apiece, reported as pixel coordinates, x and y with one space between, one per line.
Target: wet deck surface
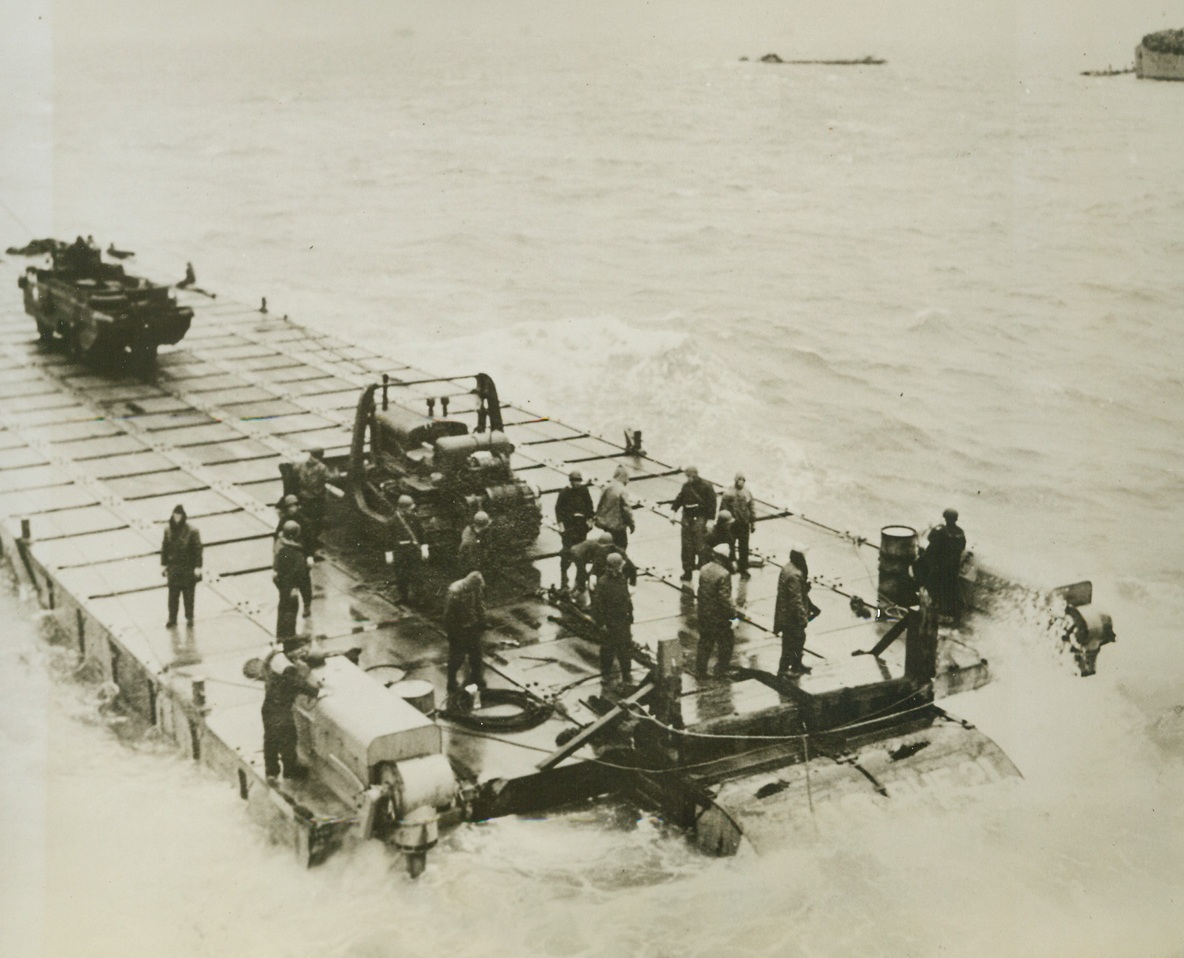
97 464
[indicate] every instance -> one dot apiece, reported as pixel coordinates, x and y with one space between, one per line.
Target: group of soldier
714 541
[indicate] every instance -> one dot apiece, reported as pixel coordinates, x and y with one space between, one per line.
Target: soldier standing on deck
696 499
573 512
614 511
290 567
938 566
410 550
716 612
612 608
464 621
312 475
180 561
738 501
790 615
473 554
290 512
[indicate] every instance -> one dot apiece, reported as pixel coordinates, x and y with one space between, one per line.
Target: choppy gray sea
955 279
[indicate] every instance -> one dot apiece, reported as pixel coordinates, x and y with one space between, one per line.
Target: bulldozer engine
449 471
379 753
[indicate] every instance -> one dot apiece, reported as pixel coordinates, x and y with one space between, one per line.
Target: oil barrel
416 692
898 551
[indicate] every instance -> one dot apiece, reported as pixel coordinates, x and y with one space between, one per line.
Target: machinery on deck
450 471
380 755
98 311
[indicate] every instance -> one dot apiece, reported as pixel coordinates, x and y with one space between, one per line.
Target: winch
450 472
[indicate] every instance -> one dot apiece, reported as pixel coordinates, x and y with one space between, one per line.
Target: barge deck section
91 466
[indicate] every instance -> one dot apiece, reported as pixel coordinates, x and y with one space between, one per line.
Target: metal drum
417 692
898 551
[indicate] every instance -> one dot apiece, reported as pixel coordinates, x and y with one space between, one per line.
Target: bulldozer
449 471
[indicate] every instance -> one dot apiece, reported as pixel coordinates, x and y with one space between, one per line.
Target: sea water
954 279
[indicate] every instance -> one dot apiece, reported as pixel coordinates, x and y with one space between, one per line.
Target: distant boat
1161 56
862 62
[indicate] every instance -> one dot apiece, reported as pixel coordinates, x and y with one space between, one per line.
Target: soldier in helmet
716 612
290 568
410 550
290 512
473 554
612 608
312 476
573 512
696 499
286 675
464 621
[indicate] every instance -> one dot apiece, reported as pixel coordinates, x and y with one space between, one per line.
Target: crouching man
287 673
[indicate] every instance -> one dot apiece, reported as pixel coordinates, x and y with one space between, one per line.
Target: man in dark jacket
290 567
790 615
290 512
286 675
312 476
739 503
573 512
614 511
464 621
696 499
612 608
410 550
939 565
180 563
475 545
716 613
